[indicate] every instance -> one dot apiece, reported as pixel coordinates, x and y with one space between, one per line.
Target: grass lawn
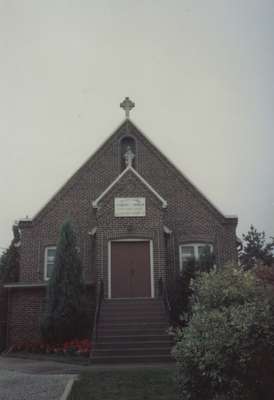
126 384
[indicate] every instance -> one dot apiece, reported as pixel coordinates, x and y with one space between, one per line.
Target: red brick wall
188 214
25 309
149 227
25 306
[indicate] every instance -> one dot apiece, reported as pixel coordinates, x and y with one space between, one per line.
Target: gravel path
21 386
33 380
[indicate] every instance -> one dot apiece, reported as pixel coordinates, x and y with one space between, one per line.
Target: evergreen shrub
227 350
66 311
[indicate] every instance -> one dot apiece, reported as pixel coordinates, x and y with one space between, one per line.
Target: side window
49 261
192 250
50 253
186 253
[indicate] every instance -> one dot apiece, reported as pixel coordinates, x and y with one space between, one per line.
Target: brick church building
137 219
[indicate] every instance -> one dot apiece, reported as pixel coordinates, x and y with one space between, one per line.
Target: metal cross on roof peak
127 105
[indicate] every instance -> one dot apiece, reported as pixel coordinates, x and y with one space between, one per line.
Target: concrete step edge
136 337
132 359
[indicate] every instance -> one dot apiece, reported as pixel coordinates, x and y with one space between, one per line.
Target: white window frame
46 277
195 245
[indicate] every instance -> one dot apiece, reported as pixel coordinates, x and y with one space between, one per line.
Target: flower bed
72 348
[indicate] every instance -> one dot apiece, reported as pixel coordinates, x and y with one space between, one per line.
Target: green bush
66 312
227 349
225 287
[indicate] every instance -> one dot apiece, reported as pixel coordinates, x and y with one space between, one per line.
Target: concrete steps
148 359
134 345
131 331
132 338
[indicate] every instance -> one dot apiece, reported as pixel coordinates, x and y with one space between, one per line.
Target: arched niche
125 143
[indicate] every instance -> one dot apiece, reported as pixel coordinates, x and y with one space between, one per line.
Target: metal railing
163 292
99 299
3 334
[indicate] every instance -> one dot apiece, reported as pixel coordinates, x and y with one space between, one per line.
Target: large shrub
227 349
65 317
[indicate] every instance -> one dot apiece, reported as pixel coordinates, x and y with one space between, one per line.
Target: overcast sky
200 73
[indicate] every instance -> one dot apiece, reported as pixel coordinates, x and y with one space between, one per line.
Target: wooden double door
130 269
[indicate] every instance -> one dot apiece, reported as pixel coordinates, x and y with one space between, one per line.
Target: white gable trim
95 202
129 168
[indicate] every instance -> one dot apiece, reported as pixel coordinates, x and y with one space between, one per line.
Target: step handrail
99 299
163 292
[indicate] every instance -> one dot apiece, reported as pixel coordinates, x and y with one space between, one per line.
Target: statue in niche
129 157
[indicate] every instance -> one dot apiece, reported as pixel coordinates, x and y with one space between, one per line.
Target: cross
127 105
129 156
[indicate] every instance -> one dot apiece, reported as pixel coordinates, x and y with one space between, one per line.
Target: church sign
129 207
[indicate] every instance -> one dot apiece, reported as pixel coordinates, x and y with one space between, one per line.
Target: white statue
129 157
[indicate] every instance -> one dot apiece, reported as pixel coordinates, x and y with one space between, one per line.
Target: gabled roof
129 168
129 124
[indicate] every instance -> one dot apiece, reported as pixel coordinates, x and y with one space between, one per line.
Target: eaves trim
24 285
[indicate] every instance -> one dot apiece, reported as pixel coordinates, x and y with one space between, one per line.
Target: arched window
127 143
